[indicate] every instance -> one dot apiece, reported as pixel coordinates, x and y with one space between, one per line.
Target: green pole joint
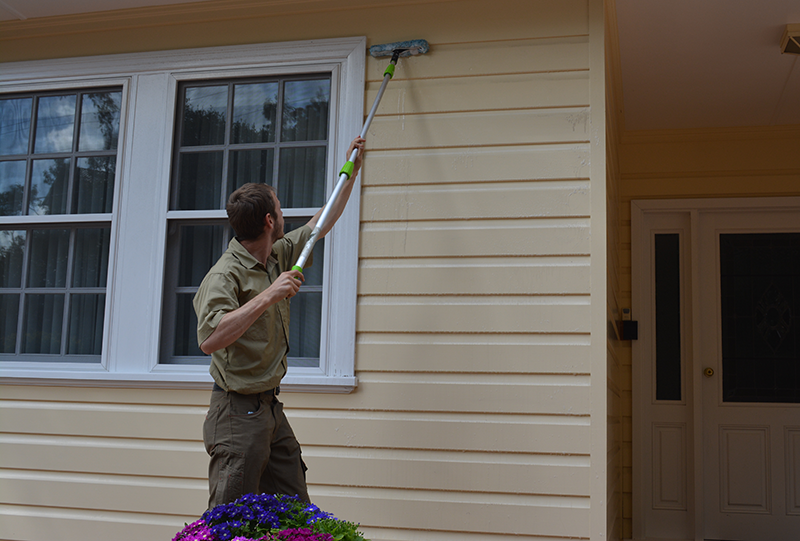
348 169
389 71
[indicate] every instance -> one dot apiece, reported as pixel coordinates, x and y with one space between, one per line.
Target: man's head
250 208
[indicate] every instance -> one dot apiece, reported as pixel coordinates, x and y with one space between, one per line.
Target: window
58 155
130 213
269 131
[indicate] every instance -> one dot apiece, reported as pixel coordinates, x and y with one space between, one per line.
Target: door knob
708 372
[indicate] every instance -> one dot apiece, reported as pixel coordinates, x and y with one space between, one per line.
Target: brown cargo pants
252 448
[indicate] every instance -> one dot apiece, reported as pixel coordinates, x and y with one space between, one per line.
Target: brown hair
247 207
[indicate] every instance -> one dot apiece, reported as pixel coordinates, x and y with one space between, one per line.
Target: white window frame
132 329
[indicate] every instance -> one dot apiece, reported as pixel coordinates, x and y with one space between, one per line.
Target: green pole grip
348 169
389 71
298 269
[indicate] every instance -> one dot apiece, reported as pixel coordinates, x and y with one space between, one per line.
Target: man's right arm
234 323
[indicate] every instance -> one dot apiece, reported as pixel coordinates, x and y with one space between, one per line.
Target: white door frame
678 215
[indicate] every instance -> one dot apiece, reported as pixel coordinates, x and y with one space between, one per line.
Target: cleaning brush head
406 48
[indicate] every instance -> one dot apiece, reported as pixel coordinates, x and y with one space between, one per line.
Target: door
749 373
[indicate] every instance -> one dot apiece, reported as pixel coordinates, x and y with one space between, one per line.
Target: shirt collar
247 259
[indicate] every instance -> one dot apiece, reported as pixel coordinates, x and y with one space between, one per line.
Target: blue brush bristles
409 48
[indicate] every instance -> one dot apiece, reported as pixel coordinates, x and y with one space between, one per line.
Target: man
242 310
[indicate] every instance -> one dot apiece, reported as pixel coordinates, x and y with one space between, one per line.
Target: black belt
275 392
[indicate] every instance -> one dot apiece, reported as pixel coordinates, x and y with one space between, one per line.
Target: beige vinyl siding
475 345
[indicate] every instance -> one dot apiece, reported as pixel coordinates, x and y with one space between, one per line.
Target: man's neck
259 248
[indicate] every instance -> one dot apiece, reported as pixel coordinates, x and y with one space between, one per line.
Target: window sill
190 378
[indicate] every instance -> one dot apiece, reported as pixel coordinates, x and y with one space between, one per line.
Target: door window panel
760 287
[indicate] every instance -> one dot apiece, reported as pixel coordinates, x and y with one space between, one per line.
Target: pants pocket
225 476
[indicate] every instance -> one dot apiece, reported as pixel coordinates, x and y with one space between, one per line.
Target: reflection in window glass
12 252
100 121
55 124
255 107
204 115
49 187
305 110
15 125
94 185
12 186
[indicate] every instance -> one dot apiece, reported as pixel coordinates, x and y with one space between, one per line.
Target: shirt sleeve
288 249
217 295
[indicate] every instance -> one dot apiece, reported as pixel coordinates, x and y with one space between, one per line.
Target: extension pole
347 170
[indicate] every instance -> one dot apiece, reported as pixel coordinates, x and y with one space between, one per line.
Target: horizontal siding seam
492 110
485 145
480 75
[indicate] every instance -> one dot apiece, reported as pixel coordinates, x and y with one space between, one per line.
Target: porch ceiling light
790 42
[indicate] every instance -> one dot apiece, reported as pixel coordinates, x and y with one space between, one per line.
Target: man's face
277 231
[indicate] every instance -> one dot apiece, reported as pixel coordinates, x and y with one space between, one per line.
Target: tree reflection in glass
305 110
15 125
255 107
55 124
100 121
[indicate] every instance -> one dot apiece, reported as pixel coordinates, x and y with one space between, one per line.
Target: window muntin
273 131
57 158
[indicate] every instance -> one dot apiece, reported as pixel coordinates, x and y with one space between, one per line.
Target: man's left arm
344 196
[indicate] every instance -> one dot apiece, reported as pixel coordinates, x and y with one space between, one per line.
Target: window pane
305 110
186 328
760 292
42 328
94 185
304 329
86 324
12 250
668 317
204 114
91 257
200 247
55 124
100 121
250 166
200 185
12 185
49 187
254 111
15 125
9 312
47 265
301 180
312 274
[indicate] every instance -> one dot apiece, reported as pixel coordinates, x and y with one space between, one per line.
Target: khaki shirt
256 362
